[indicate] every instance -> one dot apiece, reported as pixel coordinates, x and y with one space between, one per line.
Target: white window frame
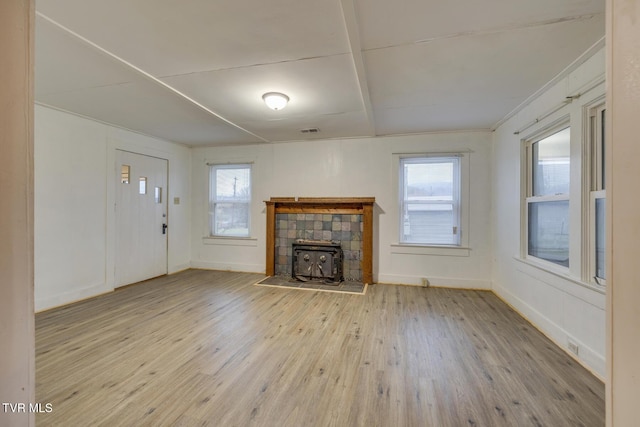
460 193
574 112
213 167
531 198
593 185
593 276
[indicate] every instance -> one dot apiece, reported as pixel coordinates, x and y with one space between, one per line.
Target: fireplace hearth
319 260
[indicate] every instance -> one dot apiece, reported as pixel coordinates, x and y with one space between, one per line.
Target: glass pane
158 195
600 238
125 171
549 231
429 224
143 185
233 184
429 213
231 219
551 164
432 180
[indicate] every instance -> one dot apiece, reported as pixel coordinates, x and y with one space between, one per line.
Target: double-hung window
547 201
430 200
597 196
230 200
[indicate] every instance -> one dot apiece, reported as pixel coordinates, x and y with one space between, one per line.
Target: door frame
113 172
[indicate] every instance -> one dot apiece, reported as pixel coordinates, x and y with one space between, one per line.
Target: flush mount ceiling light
275 101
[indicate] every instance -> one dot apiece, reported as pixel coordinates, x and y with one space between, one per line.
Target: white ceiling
194 71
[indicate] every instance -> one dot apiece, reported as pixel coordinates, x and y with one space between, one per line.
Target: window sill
230 241
561 274
399 248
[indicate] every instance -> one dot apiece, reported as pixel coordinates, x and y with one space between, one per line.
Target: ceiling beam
353 34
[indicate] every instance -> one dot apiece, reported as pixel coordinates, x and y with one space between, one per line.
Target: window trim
527 171
463 207
593 185
211 203
575 112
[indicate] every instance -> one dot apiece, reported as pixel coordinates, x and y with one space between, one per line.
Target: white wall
75 180
344 168
562 307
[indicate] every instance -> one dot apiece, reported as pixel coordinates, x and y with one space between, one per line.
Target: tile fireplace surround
345 229
318 218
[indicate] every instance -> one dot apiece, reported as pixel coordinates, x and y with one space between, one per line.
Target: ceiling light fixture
275 100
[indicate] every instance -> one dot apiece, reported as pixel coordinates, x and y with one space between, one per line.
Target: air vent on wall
310 130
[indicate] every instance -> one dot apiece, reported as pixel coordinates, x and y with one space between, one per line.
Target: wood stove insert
317 260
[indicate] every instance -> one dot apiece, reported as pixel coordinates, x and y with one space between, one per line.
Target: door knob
164 228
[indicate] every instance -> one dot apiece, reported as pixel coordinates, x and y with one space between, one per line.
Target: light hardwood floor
210 348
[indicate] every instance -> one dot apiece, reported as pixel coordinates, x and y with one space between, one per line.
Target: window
563 205
142 189
597 196
229 200
547 201
430 200
125 172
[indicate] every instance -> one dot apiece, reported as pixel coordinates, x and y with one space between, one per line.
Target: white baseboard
587 357
440 282
178 268
226 266
69 297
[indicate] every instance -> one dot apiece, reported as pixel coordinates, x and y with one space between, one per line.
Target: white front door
141 218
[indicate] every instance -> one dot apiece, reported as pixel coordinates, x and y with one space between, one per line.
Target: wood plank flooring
207 348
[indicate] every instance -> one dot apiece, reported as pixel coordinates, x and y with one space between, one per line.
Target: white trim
432 153
592 185
229 163
436 282
576 115
557 271
230 241
227 266
65 298
179 268
549 198
463 191
404 248
588 357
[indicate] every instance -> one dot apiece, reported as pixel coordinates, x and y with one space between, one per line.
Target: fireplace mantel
323 205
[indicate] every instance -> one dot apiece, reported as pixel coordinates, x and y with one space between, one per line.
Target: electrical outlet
573 346
425 282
